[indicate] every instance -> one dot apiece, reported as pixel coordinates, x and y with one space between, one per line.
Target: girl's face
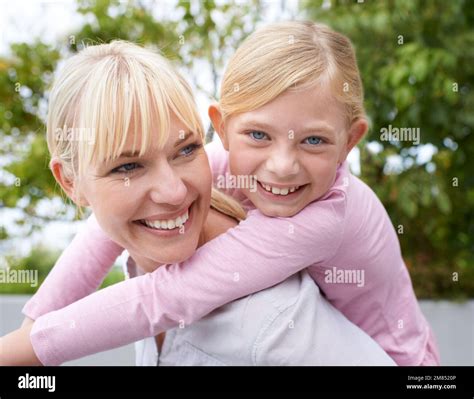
293 145
154 205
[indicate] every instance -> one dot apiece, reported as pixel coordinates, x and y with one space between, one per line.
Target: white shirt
290 323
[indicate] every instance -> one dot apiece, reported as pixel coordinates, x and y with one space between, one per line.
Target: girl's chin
271 210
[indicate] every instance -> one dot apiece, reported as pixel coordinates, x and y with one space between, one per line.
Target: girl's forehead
310 105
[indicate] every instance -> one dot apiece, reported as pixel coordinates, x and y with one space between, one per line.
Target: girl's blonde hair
291 55
106 93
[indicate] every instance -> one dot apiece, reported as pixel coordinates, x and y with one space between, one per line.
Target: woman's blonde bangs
112 94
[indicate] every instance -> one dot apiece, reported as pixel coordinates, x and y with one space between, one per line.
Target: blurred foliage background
416 59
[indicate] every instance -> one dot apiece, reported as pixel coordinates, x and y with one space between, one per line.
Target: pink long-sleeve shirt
345 239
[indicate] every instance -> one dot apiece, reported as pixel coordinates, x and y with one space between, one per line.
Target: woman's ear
215 115
66 183
355 134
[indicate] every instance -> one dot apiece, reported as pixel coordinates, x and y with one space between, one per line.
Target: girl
291 109
135 103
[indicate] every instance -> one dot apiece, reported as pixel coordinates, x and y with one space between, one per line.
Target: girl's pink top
345 239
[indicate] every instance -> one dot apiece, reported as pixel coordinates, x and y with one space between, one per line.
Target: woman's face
155 205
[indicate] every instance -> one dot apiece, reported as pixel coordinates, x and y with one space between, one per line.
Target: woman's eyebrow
129 154
187 135
134 154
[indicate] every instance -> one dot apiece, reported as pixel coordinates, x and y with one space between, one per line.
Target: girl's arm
78 272
259 253
16 348
27 321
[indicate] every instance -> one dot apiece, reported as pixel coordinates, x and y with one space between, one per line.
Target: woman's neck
216 224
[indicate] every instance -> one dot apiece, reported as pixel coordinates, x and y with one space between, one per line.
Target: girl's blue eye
126 168
256 135
189 149
313 140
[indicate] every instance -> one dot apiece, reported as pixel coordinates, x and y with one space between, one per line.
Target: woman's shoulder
231 332
290 323
310 331
287 293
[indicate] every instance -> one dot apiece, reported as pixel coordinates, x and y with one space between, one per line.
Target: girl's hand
16 348
27 321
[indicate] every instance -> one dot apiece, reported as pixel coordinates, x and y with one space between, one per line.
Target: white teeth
280 191
169 224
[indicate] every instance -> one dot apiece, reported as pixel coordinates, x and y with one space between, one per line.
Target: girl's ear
215 115
66 184
355 134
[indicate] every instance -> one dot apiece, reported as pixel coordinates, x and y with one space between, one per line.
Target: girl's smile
278 192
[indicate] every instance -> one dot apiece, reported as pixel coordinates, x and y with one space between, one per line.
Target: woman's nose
168 187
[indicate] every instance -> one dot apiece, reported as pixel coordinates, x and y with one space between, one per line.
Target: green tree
191 35
205 41
416 62
40 260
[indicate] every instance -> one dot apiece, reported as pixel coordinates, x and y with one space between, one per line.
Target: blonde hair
227 205
291 55
104 90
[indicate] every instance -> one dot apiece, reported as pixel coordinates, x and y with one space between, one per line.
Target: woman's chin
170 256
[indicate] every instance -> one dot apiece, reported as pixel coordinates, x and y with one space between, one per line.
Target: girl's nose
283 164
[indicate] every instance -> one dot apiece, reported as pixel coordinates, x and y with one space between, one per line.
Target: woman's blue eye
313 140
256 135
126 168
189 149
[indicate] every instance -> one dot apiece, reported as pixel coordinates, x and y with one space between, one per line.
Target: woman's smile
168 225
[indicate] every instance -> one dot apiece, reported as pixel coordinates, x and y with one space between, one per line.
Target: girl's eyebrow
317 127
258 124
